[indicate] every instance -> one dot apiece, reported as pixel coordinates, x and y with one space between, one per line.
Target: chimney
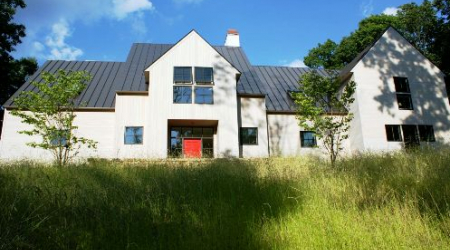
232 39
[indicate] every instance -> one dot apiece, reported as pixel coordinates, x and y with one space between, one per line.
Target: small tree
50 112
323 107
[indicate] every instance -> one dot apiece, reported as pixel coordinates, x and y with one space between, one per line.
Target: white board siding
393 56
253 114
98 126
131 111
193 51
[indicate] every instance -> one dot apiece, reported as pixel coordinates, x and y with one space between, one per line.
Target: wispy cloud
64 14
56 44
297 63
390 11
366 8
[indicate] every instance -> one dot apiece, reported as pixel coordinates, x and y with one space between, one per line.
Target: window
204 95
403 93
182 75
426 133
182 94
133 135
178 134
249 136
59 138
308 139
393 133
204 75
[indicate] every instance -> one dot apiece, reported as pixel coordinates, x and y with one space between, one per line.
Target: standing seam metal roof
109 77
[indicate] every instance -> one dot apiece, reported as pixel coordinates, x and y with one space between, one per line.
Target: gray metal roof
110 77
278 81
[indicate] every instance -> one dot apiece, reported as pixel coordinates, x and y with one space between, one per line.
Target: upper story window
182 75
133 135
204 75
308 139
183 85
403 93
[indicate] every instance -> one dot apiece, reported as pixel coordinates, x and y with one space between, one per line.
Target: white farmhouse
192 99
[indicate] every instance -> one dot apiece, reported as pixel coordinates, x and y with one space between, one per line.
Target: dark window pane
393 133
175 143
182 94
208 132
182 74
401 84
208 143
175 132
249 136
410 136
203 75
426 133
197 132
204 95
178 152
187 132
133 135
404 101
307 139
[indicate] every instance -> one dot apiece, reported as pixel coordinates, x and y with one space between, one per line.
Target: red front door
192 148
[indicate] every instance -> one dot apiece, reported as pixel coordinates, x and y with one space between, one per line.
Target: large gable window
204 75
182 94
204 95
403 93
182 75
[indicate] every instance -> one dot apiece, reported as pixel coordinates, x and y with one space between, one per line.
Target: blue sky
271 32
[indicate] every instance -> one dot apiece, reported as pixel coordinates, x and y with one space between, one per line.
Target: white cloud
390 11
40 18
122 8
367 8
56 43
297 63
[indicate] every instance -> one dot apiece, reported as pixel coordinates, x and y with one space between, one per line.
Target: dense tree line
12 71
425 25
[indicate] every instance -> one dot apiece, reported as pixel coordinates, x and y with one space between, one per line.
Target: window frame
433 137
204 82
181 86
403 91
241 136
175 82
400 136
203 87
125 135
302 144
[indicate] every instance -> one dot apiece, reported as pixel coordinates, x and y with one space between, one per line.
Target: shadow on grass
219 205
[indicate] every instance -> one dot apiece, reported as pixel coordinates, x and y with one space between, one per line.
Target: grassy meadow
389 201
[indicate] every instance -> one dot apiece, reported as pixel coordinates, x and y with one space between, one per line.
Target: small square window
133 135
204 75
393 133
426 133
308 139
182 74
404 101
182 94
204 95
249 136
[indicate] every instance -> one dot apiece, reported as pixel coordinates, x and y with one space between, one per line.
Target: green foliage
422 25
12 72
388 201
323 108
50 112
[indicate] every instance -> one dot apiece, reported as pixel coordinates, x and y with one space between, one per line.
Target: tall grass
369 201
